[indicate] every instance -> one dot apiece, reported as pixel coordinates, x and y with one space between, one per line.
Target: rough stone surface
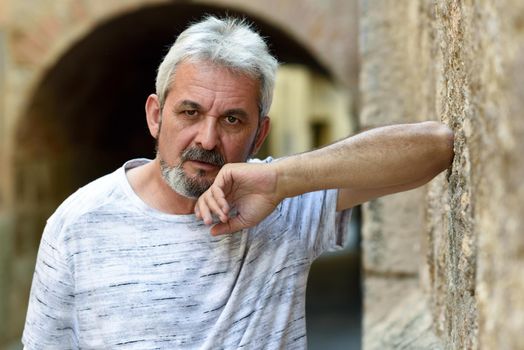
469 58
477 253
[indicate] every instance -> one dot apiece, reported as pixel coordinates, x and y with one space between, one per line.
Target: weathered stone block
396 315
392 232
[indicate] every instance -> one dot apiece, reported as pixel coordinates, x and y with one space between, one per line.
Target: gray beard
190 186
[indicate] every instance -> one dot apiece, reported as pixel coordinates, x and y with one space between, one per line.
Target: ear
263 131
153 115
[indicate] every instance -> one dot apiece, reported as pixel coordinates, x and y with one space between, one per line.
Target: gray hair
228 42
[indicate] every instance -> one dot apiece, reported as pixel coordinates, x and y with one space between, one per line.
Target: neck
148 184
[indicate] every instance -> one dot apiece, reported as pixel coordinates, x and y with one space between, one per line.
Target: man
128 261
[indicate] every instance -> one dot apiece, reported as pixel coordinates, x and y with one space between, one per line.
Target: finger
221 202
205 214
214 208
234 224
197 211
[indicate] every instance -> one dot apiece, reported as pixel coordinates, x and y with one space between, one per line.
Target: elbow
447 140
443 140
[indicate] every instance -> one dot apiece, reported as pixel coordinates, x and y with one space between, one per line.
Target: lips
204 165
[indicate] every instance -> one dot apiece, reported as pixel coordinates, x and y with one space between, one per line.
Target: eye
230 119
190 112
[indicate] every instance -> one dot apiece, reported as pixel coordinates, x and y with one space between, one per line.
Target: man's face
210 117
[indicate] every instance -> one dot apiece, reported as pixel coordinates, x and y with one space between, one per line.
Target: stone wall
453 277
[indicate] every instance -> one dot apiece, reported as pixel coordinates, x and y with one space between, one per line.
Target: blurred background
74 77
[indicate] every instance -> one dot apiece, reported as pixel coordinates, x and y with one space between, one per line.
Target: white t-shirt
114 273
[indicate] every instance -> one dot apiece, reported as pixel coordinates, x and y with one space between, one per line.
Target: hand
248 188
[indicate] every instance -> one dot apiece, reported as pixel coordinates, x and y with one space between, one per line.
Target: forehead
205 80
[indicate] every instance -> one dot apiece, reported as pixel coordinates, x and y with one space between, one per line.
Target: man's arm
371 164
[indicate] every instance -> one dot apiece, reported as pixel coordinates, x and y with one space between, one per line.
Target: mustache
202 155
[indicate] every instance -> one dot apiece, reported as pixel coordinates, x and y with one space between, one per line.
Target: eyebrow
239 112
189 104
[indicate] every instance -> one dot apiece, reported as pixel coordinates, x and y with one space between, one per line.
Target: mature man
128 261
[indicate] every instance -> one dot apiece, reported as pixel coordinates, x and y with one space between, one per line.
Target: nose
208 137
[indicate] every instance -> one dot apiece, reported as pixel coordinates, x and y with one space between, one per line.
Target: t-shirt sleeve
315 218
50 320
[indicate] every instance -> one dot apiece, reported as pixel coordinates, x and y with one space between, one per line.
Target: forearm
383 157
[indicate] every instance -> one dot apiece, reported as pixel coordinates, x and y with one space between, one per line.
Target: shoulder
86 199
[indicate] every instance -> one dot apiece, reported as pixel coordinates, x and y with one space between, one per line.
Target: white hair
228 42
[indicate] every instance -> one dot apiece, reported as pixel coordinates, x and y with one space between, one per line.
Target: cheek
238 150
174 140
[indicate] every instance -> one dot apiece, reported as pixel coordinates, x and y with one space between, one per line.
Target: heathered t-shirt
114 273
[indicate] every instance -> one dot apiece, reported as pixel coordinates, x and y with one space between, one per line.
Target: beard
183 184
